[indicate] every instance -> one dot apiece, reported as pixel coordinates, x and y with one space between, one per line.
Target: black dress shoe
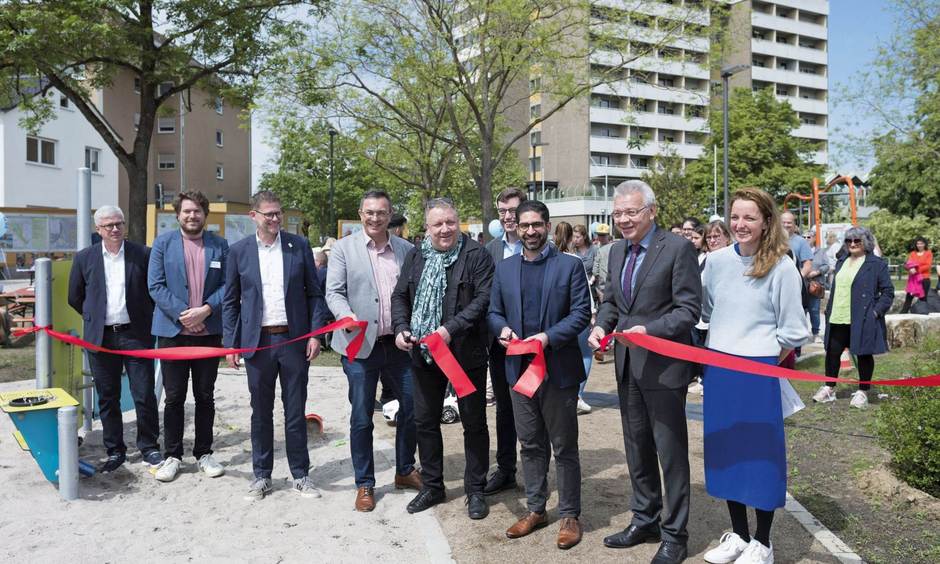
426 499
499 481
477 507
670 553
113 462
632 536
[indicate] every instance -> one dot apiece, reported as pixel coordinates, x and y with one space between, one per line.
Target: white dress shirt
271 261
116 310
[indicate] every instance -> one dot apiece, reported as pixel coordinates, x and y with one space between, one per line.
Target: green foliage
896 233
676 197
762 152
908 426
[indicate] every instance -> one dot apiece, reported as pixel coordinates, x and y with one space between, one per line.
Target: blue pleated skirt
745 446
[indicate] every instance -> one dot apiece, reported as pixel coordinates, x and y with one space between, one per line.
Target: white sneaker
729 548
304 486
167 471
756 553
583 407
208 465
859 400
259 488
825 394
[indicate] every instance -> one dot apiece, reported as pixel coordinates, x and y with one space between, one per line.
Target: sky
856 27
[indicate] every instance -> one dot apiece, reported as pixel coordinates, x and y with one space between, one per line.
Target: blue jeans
363 374
814 314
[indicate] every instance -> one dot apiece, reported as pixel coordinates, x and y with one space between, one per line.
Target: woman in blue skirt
752 302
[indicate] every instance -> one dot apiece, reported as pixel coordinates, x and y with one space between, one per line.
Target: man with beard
186 279
504 477
543 295
444 288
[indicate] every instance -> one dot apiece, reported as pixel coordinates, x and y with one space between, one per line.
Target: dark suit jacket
243 301
169 286
667 300
465 302
566 311
88 291
872 296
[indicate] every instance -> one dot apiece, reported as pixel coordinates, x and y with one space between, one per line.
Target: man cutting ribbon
542 295
444 290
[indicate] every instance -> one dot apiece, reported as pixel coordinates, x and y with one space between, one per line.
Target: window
92 159
535 111
64 102
40 151
136 121
166 161
219 105
219 138
136 85
641 162
600 160
164 88
166 125
219 172
535 84
535 138
536 164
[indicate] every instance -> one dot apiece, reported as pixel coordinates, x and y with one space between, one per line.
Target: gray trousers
547 423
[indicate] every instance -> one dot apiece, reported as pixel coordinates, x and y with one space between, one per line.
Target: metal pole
68 452
724 156
715 179
332 214
83 240
42 317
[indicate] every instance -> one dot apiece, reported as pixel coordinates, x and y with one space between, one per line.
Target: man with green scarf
444 288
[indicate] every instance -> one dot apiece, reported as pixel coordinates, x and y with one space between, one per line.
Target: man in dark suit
653 287
509 245
187 281
445 289
543 295
108 287
272 296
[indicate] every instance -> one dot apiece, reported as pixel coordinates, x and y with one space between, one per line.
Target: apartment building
199 142
661 101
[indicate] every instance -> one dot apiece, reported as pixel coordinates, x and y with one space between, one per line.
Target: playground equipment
814 198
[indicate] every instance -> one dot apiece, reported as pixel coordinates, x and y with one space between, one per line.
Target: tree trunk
137 203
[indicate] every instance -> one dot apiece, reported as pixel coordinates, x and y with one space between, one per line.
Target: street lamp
727 73
332 214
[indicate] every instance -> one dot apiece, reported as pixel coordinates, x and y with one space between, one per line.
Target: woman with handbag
816 280
918 266
861 295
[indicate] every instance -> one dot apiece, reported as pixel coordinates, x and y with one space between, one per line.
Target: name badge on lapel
215 264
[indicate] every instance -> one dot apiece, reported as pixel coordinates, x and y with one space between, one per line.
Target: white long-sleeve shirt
752 316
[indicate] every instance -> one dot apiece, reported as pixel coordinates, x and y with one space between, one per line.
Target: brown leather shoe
527 524
411 481
365 499
569 534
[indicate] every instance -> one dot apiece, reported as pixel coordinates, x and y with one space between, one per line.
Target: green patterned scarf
429 296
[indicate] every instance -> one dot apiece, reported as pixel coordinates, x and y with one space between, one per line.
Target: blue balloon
496 229
594 225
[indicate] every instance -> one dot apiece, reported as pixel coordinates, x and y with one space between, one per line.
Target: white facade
41 170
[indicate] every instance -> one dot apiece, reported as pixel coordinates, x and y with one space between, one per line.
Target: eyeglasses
853 241
629 213
537 225
375 214
715 236
112 226
270 216
503 212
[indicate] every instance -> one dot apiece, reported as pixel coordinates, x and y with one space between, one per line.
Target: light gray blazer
350 287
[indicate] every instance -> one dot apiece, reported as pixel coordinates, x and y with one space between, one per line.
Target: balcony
807 105
811 132
817 81
759 19
650 92
816 6
787 51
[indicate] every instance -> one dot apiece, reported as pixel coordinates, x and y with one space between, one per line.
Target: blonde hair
773 241
563 235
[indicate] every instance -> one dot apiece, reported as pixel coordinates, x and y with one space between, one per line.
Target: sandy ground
128 516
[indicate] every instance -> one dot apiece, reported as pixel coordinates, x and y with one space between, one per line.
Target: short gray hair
444 203
636 186
868 240
108 211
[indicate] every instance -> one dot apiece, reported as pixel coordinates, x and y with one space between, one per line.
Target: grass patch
17 363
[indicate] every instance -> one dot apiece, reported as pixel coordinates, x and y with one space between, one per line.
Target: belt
274 329
118 327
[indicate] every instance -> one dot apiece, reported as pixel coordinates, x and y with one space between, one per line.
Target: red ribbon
534 375
730 362
445 360
195 353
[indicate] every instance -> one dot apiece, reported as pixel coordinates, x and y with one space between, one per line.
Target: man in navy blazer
272 296
187 280
543 295
108 287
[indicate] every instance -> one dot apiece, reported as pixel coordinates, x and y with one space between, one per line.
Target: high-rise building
661 101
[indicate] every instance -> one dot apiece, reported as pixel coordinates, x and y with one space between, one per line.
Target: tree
896 234
676 197
486 62
762 151
79 46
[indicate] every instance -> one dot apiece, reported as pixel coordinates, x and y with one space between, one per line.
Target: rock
908 329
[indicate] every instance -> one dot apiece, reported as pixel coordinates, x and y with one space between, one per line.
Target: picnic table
17 307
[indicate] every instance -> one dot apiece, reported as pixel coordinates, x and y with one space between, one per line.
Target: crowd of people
560 285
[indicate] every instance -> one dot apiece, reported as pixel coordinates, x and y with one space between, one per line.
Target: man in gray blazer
361 275
653 287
